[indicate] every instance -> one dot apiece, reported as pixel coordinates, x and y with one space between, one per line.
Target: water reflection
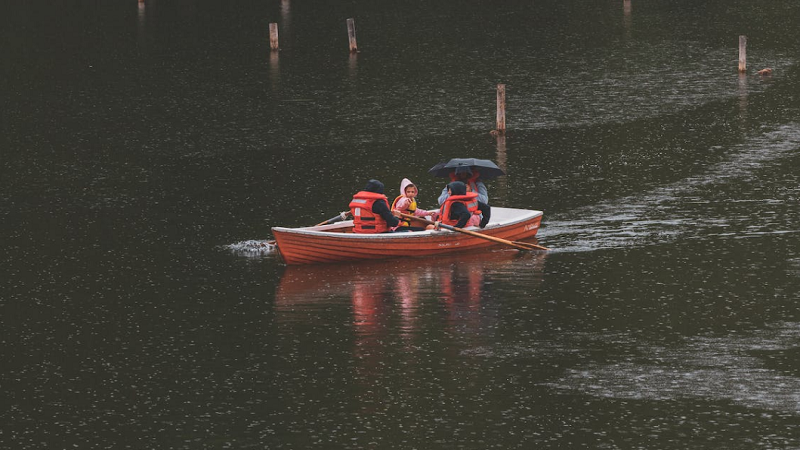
140 24
405 281
626 12
403 312
402 291
286 16
352 66
742 91
274 69
500 190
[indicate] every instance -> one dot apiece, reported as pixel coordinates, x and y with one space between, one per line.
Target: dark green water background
145 147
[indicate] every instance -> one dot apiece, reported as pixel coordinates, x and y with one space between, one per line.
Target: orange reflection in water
386 296
393 303
453 278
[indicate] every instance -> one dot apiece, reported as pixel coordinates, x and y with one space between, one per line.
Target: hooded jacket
408 205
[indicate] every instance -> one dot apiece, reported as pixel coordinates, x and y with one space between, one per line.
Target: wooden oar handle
421 219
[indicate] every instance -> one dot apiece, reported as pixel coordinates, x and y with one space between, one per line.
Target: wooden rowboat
337 242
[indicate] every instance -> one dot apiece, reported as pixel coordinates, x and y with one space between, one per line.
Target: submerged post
501 108
273 36
351 34
742 54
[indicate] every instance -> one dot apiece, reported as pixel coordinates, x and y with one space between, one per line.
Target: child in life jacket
406 203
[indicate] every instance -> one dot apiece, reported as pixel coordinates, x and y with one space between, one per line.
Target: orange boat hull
314 245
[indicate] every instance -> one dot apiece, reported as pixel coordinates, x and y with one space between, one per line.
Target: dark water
145 147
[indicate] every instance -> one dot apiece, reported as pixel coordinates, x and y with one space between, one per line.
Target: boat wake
252 248
734 369
686 209
743 369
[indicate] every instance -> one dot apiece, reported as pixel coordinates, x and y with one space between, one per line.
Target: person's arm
402 204
461 212
419 212
382 209
486 213
443 196
483 193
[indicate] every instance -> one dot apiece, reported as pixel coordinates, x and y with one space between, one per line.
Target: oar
337 218
530 245
517 245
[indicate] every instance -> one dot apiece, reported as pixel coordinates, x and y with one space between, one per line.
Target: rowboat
336 242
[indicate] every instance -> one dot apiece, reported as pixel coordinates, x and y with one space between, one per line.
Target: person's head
408 189
463 173
457 188
374 186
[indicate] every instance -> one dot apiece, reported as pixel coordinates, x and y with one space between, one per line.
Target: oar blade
530 245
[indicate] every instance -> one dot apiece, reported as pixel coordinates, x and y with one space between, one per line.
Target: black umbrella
487 168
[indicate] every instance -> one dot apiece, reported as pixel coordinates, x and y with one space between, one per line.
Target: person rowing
370 210
463 209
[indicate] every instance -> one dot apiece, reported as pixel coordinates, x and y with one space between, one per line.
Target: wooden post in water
742 54
351 34
501 108
273 36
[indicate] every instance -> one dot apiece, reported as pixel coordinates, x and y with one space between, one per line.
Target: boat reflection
453 279
388 298
406 315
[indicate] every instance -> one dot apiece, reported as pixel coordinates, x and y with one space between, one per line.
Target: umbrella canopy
487 168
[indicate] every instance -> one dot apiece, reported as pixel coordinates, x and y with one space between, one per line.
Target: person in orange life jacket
406 203
370 210
461 208
473 182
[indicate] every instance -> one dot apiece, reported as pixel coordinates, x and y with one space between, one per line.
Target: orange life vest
471 182
364 220
470 200
411 208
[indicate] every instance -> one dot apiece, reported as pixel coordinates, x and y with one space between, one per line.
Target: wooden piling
742 54
273 36
626 7
501 108
351 34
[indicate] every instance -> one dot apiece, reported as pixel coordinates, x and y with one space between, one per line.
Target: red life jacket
364 220
470 200
471 182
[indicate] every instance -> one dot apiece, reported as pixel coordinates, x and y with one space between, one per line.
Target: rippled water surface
147 148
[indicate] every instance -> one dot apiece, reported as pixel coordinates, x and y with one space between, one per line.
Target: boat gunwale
315 231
